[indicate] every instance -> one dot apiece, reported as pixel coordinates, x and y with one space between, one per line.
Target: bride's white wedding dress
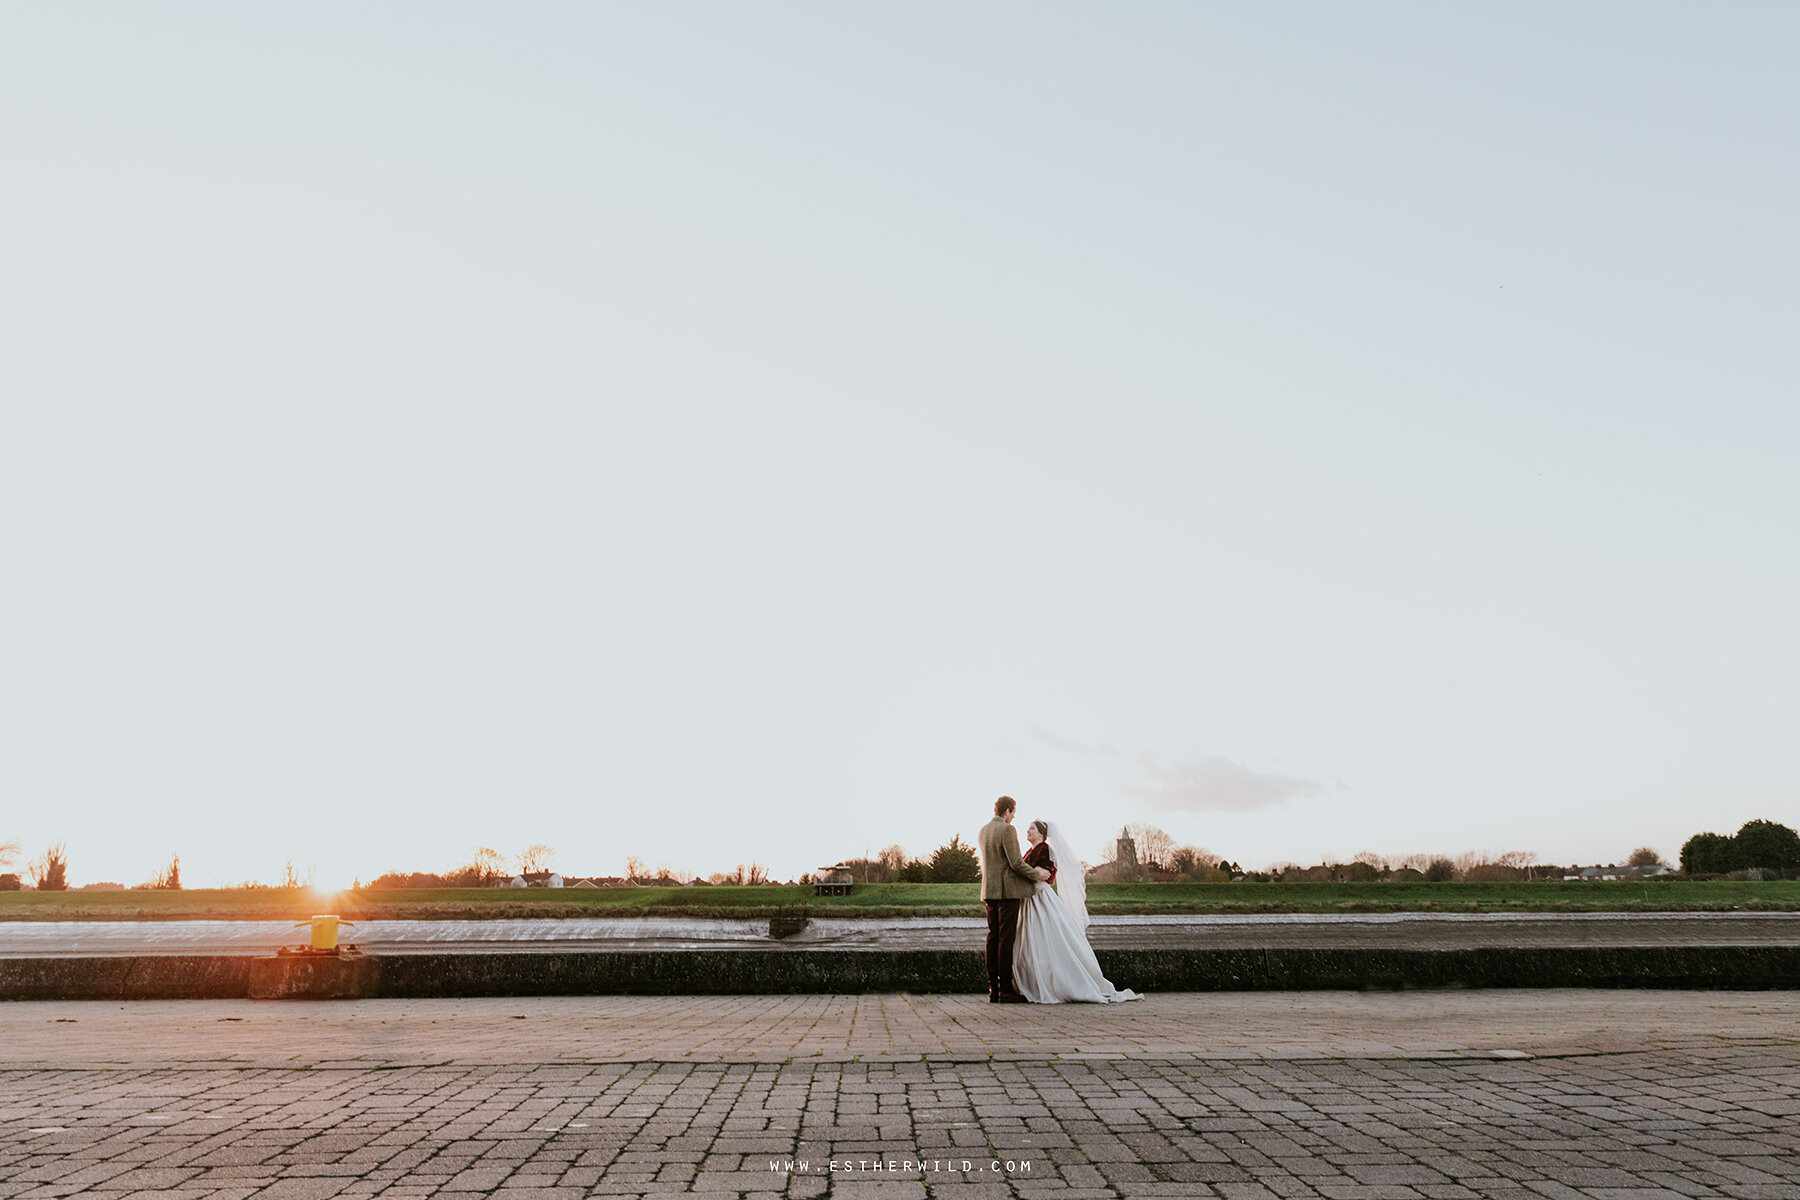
1052 961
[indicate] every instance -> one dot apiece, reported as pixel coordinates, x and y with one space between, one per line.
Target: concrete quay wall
739 972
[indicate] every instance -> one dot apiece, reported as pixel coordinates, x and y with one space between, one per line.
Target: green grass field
903 899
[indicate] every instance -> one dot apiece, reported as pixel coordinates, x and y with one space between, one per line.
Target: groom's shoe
1011 998
993 995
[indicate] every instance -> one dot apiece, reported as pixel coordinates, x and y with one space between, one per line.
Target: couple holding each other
1037 947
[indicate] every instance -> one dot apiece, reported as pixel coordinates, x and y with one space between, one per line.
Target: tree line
1760 845
1756 846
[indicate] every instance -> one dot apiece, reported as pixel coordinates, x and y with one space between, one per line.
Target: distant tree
50 870
751 876
1360 872
1184 859
1153 845
168 879
10 849
409 879
1440 870
1711 854
1481 867
953 862
917 872
672 876
1643 856
484 867
864 870
634 867
892 860
1768 845
536 857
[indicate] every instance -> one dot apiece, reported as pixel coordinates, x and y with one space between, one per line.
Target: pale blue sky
715 432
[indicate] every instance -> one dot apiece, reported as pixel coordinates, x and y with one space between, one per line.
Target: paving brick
1675 1109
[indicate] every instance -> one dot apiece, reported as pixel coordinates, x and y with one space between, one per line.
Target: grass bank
901 899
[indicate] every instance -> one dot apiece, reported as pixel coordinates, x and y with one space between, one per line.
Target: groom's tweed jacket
1004 875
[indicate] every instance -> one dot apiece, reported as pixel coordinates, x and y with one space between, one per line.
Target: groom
1005 881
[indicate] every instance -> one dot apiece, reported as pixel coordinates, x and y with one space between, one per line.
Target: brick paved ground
1240 1097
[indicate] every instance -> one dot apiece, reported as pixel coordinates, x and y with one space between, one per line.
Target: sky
726 432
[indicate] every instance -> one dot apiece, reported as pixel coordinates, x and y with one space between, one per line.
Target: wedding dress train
1052 961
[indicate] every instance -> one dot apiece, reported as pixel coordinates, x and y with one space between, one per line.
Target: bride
1052 961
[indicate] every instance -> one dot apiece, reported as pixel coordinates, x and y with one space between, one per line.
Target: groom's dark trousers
1003 931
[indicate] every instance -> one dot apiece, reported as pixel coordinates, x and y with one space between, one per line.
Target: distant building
1123 868
1597 873
834 880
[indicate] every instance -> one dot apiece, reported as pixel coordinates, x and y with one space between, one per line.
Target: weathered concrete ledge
727 972
149 977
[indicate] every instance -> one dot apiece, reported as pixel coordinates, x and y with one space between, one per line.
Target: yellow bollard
324 930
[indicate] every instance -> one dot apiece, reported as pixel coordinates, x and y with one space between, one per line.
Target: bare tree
484 866
667 873
634 867
536 857
168 879
1153 845
487 864
1478 866
289 877
1186 860
1374 858
741 876
10 850
1643 856
892 859
50 870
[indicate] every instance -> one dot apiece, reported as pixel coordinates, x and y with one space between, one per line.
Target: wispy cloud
1057 742
1197 783
1208 783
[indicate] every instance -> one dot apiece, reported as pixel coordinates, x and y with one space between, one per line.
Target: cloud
1058 742
1198 783
1208 783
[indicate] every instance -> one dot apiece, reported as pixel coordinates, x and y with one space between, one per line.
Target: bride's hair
1043 827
